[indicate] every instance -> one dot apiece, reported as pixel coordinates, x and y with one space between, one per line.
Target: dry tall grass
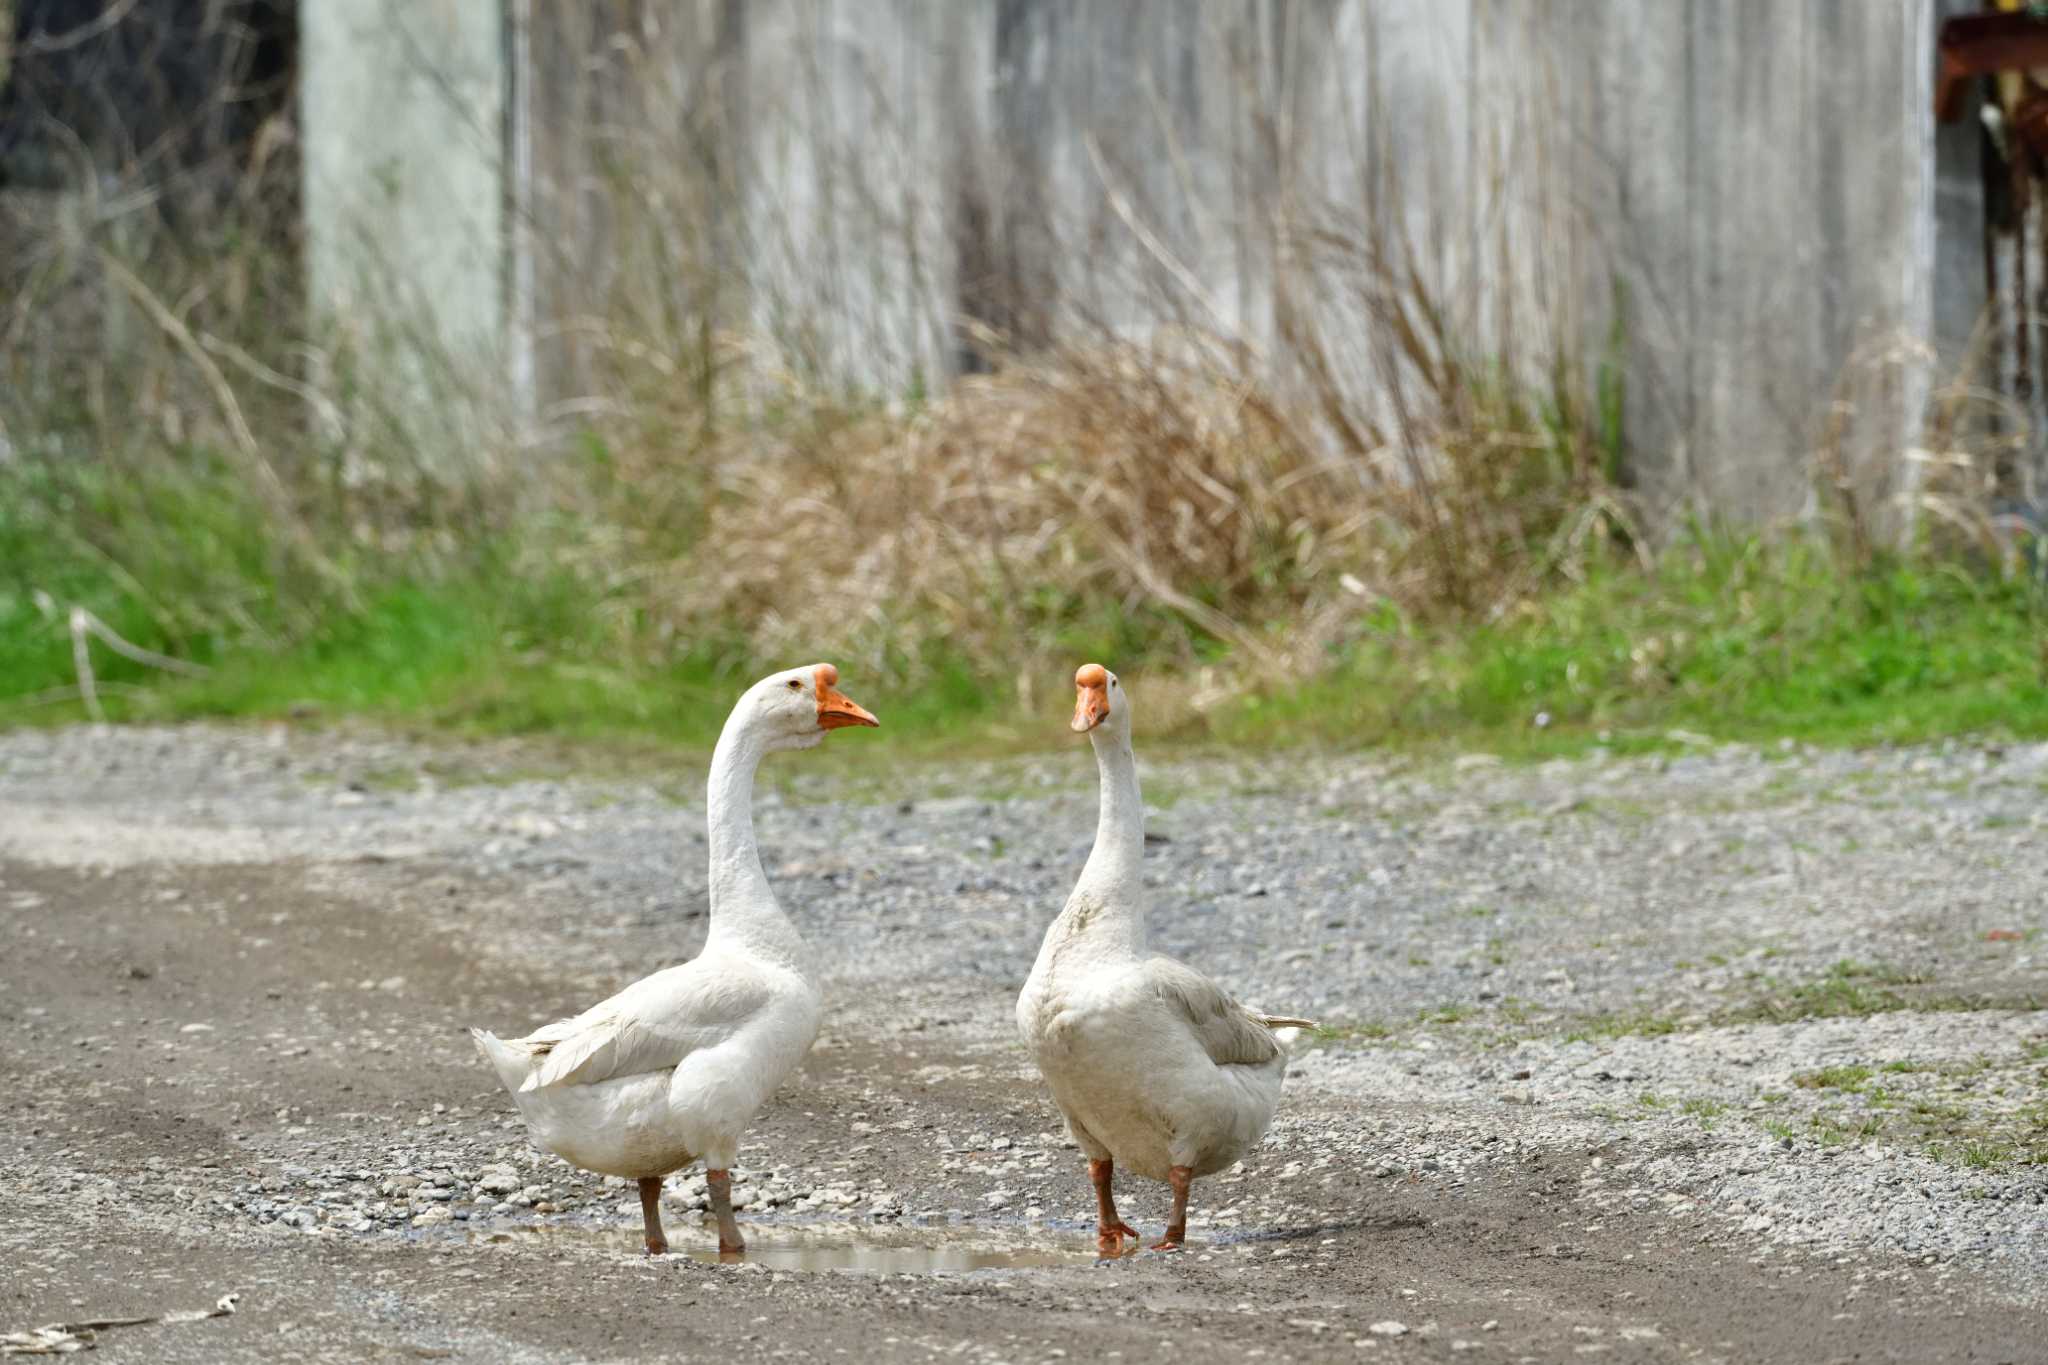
1962 492
1164 479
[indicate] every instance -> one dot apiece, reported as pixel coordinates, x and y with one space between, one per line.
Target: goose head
1099 701
795 709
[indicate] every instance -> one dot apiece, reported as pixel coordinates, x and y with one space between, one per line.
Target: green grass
483 640
1704 1109
449 654
1595 1028
484 633
1848 1078
1366 1031
1849 989
1846 990
1831 1131
1730 640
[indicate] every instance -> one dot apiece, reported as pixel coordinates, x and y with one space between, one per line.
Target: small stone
1388 1328
500 1179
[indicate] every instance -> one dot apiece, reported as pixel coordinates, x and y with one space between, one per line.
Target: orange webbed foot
1109 1239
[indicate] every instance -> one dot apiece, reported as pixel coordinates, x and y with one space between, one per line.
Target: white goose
674 1067
1153 1064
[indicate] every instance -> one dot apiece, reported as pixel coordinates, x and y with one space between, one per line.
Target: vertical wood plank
1754 245
1630 167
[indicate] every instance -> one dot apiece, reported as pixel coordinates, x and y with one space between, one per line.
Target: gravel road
1729 1055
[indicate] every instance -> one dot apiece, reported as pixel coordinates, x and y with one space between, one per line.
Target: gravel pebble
1649 966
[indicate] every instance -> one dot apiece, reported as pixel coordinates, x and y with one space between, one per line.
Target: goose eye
796 685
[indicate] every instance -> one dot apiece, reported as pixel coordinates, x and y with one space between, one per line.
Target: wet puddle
860 1249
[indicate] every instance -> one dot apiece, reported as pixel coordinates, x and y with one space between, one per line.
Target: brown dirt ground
113 1148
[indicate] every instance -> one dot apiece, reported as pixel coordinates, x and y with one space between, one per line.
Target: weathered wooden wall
403 107
1759 178
1749 186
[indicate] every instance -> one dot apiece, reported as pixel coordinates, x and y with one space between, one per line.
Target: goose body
669 1070
673 1068
1154 1066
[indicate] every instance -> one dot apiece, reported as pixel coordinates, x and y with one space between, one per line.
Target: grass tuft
1847 1078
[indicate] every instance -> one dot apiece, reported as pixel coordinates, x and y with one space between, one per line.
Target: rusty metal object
2028 120
1973 45
2012 47
1994 68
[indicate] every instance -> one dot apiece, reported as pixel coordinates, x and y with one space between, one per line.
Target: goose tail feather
511 1063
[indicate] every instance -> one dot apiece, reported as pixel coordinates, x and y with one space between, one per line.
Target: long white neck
1108 904
744 912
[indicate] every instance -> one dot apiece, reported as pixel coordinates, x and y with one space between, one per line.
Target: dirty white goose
673 1068
1154 1066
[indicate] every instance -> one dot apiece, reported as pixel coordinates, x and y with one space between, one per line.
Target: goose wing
650 1026
1231 1034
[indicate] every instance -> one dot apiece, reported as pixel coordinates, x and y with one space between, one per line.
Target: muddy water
858 1249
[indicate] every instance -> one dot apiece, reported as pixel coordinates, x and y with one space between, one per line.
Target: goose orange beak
836 710
1091 697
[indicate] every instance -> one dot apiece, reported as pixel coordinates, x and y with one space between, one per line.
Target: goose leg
719 1186
650 1214
1181 1178
1110 1230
